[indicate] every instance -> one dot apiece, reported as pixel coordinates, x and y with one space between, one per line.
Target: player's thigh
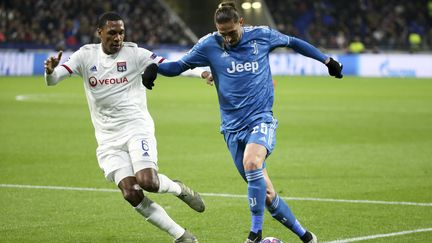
236 148
263 134
114 162
254 156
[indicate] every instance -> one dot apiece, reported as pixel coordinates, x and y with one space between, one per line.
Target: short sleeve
146 57
73 64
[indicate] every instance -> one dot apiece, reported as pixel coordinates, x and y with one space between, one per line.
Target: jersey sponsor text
243 67
107 81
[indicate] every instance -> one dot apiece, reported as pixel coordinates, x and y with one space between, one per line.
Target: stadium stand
378 25
68 24
381 25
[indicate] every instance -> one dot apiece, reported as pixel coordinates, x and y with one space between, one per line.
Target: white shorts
124 157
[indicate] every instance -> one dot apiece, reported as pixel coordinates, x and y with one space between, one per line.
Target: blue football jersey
241 73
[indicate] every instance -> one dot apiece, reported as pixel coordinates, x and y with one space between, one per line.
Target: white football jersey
115 93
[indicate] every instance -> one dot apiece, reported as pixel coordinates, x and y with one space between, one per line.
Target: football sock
166 185
256 196
157 216
282 213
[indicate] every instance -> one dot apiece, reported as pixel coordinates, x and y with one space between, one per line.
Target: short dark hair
108 16
226 12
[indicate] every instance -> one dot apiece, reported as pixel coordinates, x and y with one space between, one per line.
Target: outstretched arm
169 69
306 49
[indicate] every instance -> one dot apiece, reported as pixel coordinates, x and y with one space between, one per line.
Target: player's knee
251 165
133 196
149 184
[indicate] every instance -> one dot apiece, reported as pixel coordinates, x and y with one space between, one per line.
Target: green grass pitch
354 139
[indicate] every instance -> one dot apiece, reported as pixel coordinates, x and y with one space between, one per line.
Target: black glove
334 68
149 75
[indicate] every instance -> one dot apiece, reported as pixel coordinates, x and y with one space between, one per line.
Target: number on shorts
261 127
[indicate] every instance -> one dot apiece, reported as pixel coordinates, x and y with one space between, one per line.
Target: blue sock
282 213
256 196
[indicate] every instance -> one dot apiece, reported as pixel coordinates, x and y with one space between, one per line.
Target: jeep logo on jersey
243 67
93 81
121 66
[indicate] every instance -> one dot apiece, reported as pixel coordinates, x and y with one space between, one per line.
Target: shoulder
89 47
130 45
204 43
85 52
207 38
263 32
132 49
257 29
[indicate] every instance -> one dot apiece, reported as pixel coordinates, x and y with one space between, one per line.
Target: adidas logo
225 54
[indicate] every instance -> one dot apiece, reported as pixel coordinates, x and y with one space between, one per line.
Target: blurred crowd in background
72 23
352 26
357 26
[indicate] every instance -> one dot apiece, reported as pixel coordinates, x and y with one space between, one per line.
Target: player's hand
208 77
52 62
334 68
149 75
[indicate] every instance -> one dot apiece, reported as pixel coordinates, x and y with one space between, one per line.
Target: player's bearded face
230 31
112 36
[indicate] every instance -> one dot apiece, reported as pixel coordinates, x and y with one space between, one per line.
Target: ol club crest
121 66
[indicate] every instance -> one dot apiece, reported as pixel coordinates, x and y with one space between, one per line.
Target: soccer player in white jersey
127 154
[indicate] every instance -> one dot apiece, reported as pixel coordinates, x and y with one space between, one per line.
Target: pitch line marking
362 238
224 195
369 237
59 98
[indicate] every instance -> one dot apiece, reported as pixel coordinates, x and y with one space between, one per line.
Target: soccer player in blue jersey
238 59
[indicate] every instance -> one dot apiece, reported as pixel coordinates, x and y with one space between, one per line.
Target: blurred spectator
2 35
356 46
430 8
333 24
68 23
414 42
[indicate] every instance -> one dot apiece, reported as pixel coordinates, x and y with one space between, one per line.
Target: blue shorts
263 133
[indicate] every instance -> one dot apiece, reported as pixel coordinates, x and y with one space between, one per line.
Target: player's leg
143 153
117 167
253 160
260 144
248 162
236 145
150 210
280 211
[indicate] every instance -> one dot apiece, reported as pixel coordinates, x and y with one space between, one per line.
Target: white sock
167 185
157 216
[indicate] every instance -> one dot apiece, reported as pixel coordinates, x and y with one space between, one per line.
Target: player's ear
241 21
99 32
